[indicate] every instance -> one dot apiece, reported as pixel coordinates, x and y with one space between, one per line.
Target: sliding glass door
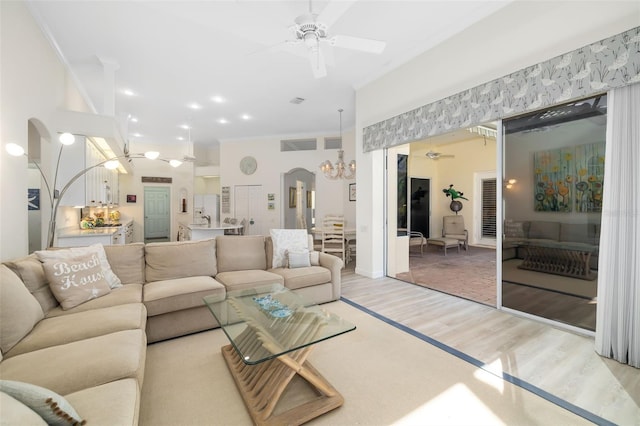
552 194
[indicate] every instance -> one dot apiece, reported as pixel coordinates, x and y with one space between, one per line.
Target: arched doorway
298 201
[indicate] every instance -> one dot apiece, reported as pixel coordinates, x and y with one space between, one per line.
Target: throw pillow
76 280
286 239
298 258
513 229
53 408
112 279
314 258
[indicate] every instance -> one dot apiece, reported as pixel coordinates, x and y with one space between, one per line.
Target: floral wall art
569 179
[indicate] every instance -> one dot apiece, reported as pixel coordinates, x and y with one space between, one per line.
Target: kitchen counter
203 231
107 235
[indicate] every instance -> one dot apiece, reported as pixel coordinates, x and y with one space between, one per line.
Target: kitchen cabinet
97 187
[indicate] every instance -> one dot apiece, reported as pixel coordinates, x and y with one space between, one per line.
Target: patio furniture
453 227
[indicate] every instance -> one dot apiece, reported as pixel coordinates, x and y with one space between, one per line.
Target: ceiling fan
312 30
432 155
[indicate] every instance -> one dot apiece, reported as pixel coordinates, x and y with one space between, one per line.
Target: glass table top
266 322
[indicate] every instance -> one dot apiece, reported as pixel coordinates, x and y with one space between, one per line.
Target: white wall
331 196
33 84
519 35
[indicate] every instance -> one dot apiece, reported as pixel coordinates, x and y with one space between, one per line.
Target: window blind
489 208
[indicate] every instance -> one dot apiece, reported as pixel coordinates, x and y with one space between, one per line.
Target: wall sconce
509 184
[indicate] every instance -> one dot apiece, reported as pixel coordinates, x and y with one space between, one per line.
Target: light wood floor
556 361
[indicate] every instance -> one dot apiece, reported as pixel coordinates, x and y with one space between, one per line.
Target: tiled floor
469 274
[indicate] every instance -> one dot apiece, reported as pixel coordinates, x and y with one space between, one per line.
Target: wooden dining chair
333 241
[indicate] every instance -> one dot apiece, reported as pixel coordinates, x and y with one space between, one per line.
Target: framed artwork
309 204
569 179
292 197
271 206
131 198
352 192
33 198
271 196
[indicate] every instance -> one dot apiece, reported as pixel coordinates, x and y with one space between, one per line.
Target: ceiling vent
297 100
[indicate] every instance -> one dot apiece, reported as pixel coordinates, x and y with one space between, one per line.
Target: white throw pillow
112 279
287 239
298 258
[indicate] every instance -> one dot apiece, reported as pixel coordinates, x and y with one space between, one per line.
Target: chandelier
340 170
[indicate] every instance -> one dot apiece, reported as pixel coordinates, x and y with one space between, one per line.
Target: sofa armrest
334 265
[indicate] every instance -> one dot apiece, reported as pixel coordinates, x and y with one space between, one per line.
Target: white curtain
618 312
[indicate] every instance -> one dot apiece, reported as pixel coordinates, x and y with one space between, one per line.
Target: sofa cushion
183 293
19 310
514 229
240 280
578 233
15 412
96 249
287 239
80 365
114 403
303 277
239 253
75 280
81 325
166 261
31 272
50 406
127 262
540 230
130 293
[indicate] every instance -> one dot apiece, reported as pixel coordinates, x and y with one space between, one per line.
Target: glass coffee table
272 332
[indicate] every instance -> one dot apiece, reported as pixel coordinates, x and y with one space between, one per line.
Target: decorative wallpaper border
596 68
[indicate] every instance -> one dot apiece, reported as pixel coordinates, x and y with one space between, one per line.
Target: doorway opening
420 176
157 220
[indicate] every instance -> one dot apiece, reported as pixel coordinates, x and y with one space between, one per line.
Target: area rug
558 283
386 376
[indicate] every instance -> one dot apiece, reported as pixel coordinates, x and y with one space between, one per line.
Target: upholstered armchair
453 227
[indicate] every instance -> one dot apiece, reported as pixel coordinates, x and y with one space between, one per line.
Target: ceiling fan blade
333 11
357 43
317 63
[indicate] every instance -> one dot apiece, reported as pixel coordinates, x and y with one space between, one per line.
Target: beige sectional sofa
93 355
550 233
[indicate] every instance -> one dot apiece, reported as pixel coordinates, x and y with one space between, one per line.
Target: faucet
208 217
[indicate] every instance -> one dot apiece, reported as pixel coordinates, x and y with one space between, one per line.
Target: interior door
156 213
249 205
420 205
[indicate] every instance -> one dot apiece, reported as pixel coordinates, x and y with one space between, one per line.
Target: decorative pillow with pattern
75 280
53 408
112 279
287 239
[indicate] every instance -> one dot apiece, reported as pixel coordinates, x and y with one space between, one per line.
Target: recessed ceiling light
128 92
223 121
245 117
195 106
180 138
137 135
218 99
133 119
185 126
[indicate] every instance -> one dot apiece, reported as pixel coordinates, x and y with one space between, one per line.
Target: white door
156 213
249 205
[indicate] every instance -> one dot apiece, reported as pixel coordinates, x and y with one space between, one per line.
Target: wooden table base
262 386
